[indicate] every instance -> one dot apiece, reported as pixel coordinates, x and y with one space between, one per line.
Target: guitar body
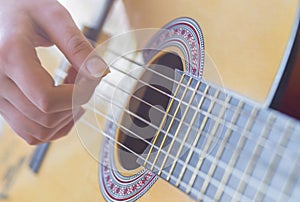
246 45
242 38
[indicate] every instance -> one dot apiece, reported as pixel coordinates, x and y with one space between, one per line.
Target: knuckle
56 10
45 103
49 121
77 44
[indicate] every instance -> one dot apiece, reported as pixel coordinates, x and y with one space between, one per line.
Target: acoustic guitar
200 105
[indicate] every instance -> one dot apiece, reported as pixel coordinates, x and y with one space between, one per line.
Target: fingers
63 32
29 130
35 108
19 101
24 88
60 28
67 128
24 68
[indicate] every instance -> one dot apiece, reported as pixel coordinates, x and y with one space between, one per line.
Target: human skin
34 107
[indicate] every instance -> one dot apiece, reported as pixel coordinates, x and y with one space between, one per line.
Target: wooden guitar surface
245 40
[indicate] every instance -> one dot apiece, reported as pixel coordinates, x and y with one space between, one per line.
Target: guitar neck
231 148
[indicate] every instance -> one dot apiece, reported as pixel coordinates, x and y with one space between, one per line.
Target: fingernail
97 67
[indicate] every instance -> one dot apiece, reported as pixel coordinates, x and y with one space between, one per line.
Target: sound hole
148 103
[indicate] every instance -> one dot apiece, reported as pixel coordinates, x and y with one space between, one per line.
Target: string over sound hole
146 108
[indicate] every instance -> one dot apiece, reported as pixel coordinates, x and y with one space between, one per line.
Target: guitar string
193 146
254 158
219 101
293 178
201 173
211 116
206 150
273 164
218 154
236 172
178 160
143 101
233 161
187 131
163 122
221 164
232 126
258 119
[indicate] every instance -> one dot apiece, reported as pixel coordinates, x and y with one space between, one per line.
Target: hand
37 110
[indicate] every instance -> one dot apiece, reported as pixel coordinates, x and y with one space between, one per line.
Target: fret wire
242 185
163 121
128 130
198 167
140 100
214 181
162 92
120 144
168 78
157 73
171 123
230 125
206 147
274 163
234 158
292 179
162 75
180 124
151 70
202 174
127 111
156 108
194 143
230 107
131 113
221 148
234 127
229 146
222 164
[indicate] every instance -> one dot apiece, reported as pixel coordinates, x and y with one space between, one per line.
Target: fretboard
216 145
